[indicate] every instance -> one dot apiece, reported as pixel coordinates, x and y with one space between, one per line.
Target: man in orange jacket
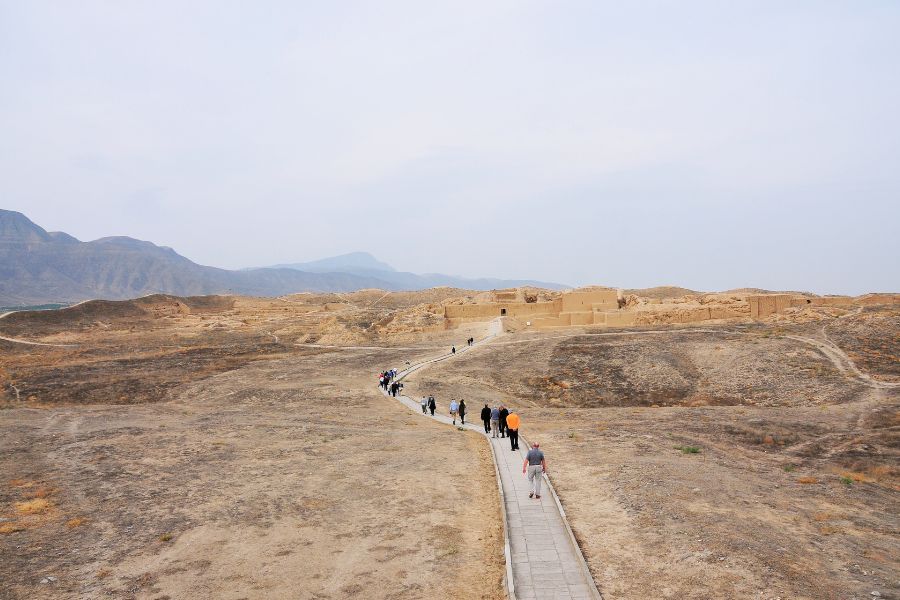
512 428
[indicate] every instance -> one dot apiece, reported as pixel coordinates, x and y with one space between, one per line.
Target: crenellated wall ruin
601 307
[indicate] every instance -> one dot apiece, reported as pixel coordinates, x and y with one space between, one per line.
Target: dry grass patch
41 492
807 480
76 522
35 506
7 528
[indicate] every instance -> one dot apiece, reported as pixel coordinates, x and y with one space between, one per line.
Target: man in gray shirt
534 467
495 421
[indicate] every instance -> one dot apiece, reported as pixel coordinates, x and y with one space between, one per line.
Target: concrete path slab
543 559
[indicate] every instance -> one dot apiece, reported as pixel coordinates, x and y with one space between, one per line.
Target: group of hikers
498 421
387 383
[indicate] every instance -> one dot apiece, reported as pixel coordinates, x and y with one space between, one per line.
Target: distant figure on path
534 467
462 411
431 405
486 417
512 428
424 404
453 349
495 421
454 409
504 412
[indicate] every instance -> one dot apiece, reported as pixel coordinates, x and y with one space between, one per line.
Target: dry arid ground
732 462
234 466
202 448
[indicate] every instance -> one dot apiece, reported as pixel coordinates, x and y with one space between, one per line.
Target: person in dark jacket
504 412
486 417
462 411
432 405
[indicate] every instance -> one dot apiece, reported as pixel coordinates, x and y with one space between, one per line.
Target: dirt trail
829 349
27 342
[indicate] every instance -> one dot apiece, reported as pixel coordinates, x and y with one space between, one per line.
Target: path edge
507 551
595 591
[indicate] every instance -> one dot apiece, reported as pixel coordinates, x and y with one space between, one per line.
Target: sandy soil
201 448
734 464
290 478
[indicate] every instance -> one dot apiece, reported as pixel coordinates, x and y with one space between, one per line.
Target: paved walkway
542 557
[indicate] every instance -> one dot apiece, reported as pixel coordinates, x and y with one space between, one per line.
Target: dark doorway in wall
502 312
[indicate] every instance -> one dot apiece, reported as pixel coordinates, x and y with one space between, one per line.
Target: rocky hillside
38 266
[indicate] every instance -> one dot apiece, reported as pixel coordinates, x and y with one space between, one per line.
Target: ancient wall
870 299
763 305
619 318
563 320
600 308
521 309
580 318
471 311
490 311
584 301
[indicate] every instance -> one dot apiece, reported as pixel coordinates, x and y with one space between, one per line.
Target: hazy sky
706 144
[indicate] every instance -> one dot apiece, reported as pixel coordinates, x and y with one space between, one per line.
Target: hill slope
37 266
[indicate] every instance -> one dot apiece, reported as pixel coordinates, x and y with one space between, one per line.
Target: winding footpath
28 342
543 560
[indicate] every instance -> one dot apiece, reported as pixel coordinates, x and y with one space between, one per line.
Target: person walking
495 421
504 412
512 428
431 405
454 410
534 467
486 418
462 411
424 404
453 350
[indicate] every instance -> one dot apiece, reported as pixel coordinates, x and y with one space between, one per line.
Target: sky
712 145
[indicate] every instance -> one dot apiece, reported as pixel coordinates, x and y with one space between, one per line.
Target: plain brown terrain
235 467
222 447
724 462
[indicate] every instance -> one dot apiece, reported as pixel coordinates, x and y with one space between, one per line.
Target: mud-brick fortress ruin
604 307
595 307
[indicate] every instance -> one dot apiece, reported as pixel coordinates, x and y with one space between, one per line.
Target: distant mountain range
364 264
37 266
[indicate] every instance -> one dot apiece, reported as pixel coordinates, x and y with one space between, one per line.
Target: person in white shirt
454 410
